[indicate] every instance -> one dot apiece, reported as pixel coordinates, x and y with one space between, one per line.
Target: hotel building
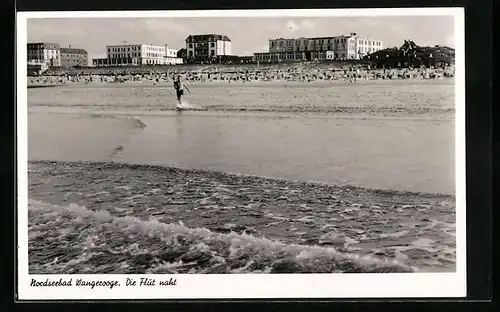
71 57
338 47
45 54
201 48
138 54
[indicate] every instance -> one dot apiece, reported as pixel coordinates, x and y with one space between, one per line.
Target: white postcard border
201 286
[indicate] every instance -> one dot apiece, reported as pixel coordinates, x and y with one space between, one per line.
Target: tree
412 55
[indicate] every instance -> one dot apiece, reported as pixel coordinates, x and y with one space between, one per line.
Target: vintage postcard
241 154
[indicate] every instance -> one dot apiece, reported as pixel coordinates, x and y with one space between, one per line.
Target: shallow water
402 154
409 98
385 135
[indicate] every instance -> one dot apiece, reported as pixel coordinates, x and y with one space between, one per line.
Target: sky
248 34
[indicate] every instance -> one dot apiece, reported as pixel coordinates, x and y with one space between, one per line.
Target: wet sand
116 218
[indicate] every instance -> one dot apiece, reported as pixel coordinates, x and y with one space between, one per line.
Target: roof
207 37
315 38
283 39
73 51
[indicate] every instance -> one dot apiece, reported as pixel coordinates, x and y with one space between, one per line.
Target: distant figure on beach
179 89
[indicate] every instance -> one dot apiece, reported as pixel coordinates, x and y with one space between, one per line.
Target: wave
138 123
251 179
382 110
71 239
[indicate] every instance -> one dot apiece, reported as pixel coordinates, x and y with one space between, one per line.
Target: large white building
367 46
138 54
343 47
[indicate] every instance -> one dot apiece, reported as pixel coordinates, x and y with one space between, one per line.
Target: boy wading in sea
179 89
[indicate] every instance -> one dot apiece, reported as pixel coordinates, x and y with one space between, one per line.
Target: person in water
179 89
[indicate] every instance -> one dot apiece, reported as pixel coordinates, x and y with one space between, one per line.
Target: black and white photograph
264 147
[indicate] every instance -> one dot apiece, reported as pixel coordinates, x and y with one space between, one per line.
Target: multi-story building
281 45
343 47
353 47
135 54
320 44
138 54
301 44
207 47
365 47
44 53
71 57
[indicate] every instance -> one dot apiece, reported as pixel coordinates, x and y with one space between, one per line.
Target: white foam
243 244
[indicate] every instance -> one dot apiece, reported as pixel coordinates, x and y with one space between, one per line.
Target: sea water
410 148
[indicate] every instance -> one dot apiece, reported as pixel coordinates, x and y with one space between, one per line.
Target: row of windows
43 51
127 49
201 44
136 48
287 56
131 55
136 54
321 41
212 53
326 47
367 51
334 48
304 42
73 55
43 58
42 47
116 56
368 42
